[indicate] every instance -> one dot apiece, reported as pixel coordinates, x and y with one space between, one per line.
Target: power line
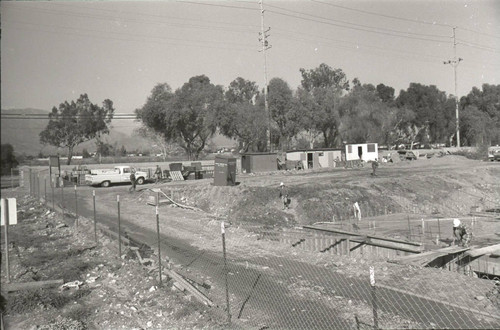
478 32
407 19
383 15
162 17
107 18
142 38
361 25
478 46
59 117
218 5
357 28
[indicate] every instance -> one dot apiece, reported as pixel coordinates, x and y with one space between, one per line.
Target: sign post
95 220
158 230
119 228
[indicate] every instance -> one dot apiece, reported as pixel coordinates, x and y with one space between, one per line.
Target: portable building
224 171
254 162
362 151
315 158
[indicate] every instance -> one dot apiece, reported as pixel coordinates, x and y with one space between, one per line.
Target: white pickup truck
119 174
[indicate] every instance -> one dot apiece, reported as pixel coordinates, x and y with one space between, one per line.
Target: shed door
316 163
330 159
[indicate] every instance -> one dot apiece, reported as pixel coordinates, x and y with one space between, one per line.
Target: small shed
315 158
362 151
254 162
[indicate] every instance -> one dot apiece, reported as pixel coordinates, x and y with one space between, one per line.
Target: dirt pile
446 186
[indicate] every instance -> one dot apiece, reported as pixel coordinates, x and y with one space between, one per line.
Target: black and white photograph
250 164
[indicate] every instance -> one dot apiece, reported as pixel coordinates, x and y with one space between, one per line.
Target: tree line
327 110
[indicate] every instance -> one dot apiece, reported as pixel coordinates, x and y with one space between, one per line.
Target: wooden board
422 259
176 176
495 249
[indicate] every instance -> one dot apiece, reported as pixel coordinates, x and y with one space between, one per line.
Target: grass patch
79 313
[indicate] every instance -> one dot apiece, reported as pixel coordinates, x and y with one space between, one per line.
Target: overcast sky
55 51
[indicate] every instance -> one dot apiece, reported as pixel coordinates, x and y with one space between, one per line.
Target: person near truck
158 174
461 234
132 180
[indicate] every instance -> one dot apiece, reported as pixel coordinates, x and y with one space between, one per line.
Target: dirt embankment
447 186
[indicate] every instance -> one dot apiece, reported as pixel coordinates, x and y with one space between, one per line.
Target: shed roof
316 149
259 153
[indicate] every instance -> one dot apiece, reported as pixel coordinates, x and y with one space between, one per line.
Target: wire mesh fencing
292 278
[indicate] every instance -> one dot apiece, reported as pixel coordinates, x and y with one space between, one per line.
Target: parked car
119 174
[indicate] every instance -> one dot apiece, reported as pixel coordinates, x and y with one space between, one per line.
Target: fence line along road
281 292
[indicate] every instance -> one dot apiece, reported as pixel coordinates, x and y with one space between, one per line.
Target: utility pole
265 46
454 63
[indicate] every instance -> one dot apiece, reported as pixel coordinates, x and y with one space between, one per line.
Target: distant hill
23 134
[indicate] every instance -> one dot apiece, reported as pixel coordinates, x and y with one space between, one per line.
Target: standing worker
374 166
132 180
357 211
284 195
158 174
461 234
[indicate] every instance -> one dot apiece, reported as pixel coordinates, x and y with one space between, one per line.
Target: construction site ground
122 293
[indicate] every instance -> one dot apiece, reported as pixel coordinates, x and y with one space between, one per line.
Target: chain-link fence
11 178
293 278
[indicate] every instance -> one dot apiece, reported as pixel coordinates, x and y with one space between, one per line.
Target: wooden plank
189 287
423 259
357 234
495 249
11 287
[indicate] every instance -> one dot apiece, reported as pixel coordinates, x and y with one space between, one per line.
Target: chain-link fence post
119 228
439 228
95 219
76 208
31 182
52 184
12 178
61 182
409 227
223 232
158 232
374 297
45 189
38 186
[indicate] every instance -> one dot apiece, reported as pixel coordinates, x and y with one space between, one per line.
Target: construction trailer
316 158
254 162
361 151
